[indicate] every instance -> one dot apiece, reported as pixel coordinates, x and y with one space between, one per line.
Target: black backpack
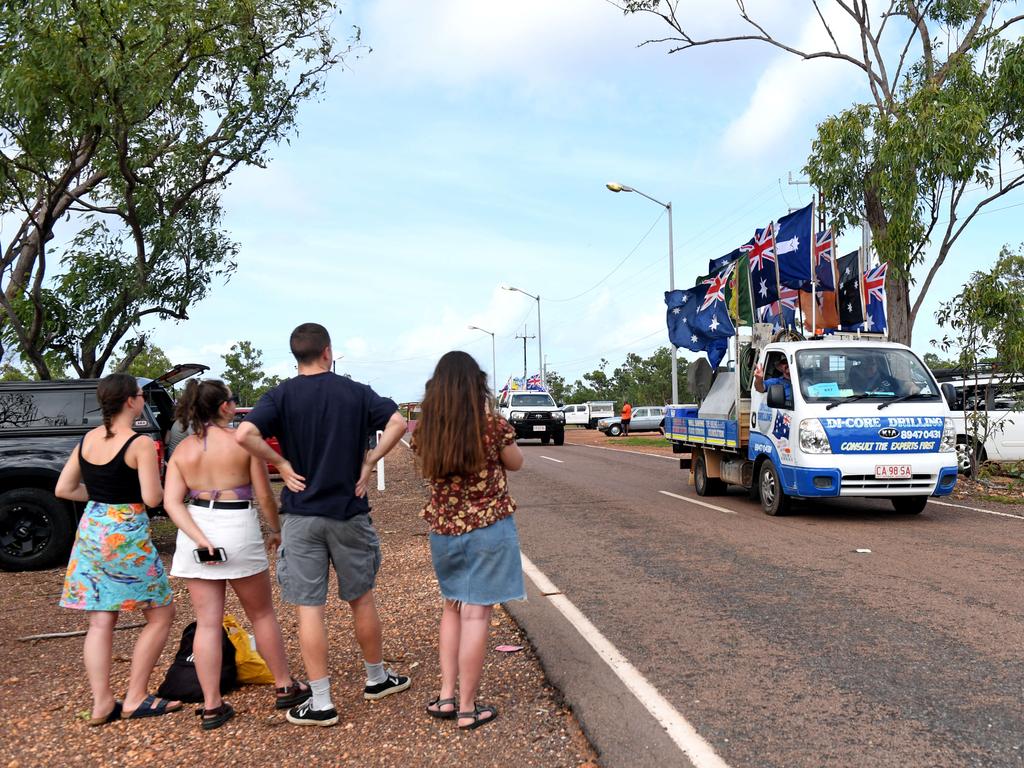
182 682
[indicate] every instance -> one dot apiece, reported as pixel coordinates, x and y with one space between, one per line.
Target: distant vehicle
646 418
589 413
240 413
996 398
533 415
40 424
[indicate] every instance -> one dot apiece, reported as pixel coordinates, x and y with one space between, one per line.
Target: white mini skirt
236 530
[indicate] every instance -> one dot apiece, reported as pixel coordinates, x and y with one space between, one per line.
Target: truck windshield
836 375
536 398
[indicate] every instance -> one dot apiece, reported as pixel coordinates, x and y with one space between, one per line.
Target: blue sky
470 150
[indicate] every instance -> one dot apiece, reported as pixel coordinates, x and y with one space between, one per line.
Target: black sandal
442 714
292 695
477 720
216 717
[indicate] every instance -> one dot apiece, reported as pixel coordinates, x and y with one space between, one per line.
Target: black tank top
114 482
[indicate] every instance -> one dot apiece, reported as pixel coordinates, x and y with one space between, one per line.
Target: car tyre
545 440
774 500
704 485
614 430
560 438
909 505
36 529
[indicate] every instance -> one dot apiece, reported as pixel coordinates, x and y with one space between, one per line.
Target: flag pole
778 279
814 281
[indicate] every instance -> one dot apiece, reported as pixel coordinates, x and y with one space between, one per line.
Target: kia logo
888 432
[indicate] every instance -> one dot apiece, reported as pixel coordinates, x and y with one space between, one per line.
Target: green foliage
128 117
142 359
640 381
243 371
556 386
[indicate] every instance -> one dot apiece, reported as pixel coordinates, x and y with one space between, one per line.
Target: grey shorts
309 545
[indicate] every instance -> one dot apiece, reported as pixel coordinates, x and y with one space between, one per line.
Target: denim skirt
481 567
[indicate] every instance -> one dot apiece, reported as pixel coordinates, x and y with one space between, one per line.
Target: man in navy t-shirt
322 422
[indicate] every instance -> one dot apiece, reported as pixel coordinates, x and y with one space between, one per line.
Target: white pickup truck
589 413
533 415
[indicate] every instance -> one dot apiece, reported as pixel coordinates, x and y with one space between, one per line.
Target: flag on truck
851 300
793 247
764 279
737 293
874 287
698 318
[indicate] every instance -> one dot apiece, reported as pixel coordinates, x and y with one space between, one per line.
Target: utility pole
524 337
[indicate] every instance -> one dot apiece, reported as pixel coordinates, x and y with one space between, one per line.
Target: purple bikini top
242 493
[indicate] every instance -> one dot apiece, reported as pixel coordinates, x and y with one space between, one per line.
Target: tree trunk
897 297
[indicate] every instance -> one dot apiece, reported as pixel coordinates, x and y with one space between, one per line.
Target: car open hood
180 373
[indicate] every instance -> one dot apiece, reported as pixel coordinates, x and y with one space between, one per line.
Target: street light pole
494 366
334 363
614 187
540 338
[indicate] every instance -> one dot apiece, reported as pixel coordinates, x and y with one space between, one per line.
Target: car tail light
160 456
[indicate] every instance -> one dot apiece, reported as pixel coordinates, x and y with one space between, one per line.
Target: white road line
974 509
406 443
557 461
678 728
701 503
623 450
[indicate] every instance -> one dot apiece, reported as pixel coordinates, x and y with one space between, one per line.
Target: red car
240 413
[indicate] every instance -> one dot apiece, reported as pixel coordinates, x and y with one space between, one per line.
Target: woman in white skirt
210 486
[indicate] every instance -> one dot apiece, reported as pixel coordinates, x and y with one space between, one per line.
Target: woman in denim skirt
464 450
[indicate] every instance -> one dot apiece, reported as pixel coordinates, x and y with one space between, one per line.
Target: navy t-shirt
323 422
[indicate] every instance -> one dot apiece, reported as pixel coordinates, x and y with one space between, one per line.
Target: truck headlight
516 416
813 438
948 442
559 416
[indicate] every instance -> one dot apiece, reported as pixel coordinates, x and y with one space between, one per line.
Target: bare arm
69 484
393 432
178 512
512 457
149 470
759 378
249 437
265 498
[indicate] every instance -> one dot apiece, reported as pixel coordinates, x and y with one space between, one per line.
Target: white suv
533 415
999 404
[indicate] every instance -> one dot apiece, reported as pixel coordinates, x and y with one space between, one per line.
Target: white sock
375 673
321 693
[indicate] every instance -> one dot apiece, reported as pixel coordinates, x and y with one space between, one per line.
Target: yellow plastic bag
252 669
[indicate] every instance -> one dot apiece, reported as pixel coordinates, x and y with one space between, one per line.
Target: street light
614 187
540 341
334 363
494 367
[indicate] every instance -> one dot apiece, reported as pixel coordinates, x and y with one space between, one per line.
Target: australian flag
793 247
874 287
764 283
851 301
824 253
714 265
781 426
698 318
535 382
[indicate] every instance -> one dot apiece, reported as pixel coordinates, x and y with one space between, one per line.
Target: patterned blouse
460 504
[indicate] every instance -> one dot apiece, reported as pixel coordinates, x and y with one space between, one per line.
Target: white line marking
406 443
678 728
557 461
624 450
975 509
701 503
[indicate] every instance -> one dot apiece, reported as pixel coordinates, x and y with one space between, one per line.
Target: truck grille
864 482
537 416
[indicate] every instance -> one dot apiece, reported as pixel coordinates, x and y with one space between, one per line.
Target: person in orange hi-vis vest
627 414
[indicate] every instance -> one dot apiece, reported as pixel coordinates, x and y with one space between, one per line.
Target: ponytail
113 393
199 404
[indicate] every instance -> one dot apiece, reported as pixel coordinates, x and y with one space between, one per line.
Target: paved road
778 642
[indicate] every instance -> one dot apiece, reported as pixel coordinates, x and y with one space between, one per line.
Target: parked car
589 413
40 424
272 441
646 418
998 400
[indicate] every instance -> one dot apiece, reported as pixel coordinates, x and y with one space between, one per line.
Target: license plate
540 429
891 471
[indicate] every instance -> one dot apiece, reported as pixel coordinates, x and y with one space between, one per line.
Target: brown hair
308 342
200 402
112 393
450 433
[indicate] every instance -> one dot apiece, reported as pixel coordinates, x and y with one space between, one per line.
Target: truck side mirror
949 393
777 396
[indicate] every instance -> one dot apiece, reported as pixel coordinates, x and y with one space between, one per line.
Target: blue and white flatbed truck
858 418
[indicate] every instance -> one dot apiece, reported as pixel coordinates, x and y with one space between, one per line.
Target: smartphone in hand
204 556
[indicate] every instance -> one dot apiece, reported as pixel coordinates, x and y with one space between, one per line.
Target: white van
589 413
997 400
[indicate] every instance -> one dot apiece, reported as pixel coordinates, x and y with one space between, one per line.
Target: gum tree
939 138
121 122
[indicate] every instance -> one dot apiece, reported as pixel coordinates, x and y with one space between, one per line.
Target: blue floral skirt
114 565
481 567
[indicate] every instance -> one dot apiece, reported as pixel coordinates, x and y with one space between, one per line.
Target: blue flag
723 261
760 250
793 247
698 318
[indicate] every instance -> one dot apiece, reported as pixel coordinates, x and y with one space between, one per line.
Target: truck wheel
909 505
704 485
592 424
774 500
545 440
560 438
36 529
615 430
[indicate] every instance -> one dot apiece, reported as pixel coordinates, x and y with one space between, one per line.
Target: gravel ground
44 696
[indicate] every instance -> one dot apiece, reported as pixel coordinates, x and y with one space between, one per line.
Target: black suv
40 424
